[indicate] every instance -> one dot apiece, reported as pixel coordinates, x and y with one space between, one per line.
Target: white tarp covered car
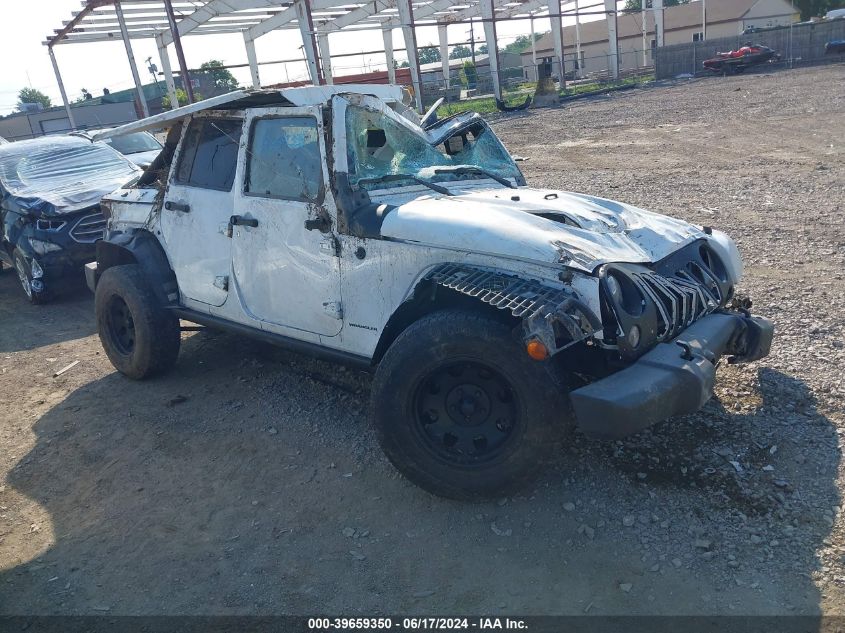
493 313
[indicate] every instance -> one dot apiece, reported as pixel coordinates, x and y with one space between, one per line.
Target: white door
284 261
197 206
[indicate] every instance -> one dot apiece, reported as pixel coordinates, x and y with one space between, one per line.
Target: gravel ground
248 481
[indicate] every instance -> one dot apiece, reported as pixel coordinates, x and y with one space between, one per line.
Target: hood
58 175
144 159
551 227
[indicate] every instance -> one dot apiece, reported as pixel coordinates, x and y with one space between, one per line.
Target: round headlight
613 287
634 337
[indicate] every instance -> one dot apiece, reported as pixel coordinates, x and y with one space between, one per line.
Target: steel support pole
488 13
645 32
579 62
325 56
61 87
703 19
168 72
658 21
180 54
612 38
533 45
252 58
443 36
557 38
387 36
124 33
406 18
309 41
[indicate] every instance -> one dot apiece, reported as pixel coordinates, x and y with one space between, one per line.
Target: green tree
31 95
817 8
429 55
181 97
637 5
460 52
223 80
521 43
469 75
481 50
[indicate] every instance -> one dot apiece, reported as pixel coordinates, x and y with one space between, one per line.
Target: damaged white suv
333 221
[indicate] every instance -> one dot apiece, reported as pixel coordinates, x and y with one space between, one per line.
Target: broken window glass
210 154
285 160
134 143
378 145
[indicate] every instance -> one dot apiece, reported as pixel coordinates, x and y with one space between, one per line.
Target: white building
682 23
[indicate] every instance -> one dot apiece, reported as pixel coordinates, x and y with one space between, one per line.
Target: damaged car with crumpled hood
50 190
333 220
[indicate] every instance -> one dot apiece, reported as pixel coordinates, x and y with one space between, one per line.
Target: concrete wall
803 43
54 121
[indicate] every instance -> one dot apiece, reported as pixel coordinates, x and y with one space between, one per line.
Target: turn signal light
537 350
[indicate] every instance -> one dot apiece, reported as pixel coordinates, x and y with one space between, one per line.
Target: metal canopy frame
110 20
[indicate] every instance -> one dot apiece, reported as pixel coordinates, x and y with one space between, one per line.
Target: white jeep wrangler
333 221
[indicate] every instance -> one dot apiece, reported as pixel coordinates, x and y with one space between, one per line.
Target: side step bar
301 347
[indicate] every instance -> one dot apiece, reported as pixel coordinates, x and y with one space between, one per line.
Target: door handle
237 220
177 206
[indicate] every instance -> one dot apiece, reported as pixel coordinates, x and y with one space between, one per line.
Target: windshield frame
433 136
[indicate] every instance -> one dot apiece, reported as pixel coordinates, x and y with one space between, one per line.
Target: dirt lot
248 481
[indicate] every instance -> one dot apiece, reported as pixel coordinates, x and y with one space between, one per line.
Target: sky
94 66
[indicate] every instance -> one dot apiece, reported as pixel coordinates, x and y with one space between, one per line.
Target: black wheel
33 288
460 408
140 337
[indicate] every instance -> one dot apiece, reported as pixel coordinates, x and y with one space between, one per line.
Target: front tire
139 336
461 410
29 284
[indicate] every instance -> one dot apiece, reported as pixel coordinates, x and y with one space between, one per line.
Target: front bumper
675 378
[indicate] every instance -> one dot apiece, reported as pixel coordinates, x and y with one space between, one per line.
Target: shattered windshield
134 143
381 149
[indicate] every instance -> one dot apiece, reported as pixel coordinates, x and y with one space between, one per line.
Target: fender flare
142 248
554 315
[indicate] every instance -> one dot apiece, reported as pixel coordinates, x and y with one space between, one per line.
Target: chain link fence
471 83
798 44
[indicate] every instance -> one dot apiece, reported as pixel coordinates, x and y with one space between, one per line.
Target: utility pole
180 54
703 19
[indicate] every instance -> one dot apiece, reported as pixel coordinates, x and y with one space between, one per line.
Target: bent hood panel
578 230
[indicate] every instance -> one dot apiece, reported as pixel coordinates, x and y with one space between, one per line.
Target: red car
739 60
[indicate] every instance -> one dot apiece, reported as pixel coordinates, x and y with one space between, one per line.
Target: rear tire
461 410
140 337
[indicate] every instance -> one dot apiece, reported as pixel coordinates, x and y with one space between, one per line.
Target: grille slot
89 228
679 302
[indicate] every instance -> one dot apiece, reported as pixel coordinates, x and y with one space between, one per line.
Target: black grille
679 302
664 299
89 228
